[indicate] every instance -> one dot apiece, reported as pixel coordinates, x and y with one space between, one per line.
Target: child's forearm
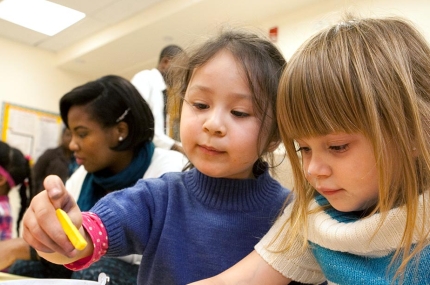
12 250
210 281
250 270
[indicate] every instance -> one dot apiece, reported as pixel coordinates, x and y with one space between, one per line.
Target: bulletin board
30 130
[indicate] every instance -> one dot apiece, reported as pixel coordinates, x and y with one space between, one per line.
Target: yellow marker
71 231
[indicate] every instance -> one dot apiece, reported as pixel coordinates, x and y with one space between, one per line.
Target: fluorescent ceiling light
39 15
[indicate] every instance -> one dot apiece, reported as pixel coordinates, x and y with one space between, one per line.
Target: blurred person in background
15 174
59 161
153 86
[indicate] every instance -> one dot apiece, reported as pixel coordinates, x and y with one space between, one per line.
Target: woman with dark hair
112 131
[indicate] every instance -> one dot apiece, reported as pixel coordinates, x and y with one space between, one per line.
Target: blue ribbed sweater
189 226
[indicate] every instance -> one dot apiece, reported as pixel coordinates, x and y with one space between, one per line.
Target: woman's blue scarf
98 184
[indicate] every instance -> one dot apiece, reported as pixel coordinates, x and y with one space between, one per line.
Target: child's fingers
61 199
57 192
42 230
33 242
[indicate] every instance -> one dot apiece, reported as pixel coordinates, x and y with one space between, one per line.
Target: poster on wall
30 130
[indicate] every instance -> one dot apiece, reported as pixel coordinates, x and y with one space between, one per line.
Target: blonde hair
370 76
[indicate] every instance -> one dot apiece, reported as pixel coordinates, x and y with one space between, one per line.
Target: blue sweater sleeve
128 215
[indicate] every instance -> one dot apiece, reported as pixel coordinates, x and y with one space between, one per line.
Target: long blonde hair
370 76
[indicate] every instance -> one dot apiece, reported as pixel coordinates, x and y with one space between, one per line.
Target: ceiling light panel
39 15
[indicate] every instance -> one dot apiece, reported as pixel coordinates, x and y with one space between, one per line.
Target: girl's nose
317 167
215 123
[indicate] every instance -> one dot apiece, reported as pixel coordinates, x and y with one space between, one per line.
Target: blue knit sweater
189 226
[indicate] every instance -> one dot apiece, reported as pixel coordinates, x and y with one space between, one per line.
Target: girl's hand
42 229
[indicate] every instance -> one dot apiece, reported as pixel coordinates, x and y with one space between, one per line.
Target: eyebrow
79 127
247 96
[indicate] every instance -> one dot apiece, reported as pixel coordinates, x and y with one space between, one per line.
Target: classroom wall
29 77
299 25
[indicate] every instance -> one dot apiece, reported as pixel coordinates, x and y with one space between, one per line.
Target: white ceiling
124 36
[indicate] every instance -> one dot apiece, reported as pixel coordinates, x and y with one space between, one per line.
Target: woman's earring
120 139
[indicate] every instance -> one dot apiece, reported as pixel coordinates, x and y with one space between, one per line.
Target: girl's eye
339 148
303 149
239 114
82 135
200 106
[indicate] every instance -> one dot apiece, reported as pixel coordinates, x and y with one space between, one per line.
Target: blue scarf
98 184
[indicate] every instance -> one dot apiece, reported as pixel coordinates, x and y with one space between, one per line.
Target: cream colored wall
29 77
296 27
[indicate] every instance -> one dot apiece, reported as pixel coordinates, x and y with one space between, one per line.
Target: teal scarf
98 184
